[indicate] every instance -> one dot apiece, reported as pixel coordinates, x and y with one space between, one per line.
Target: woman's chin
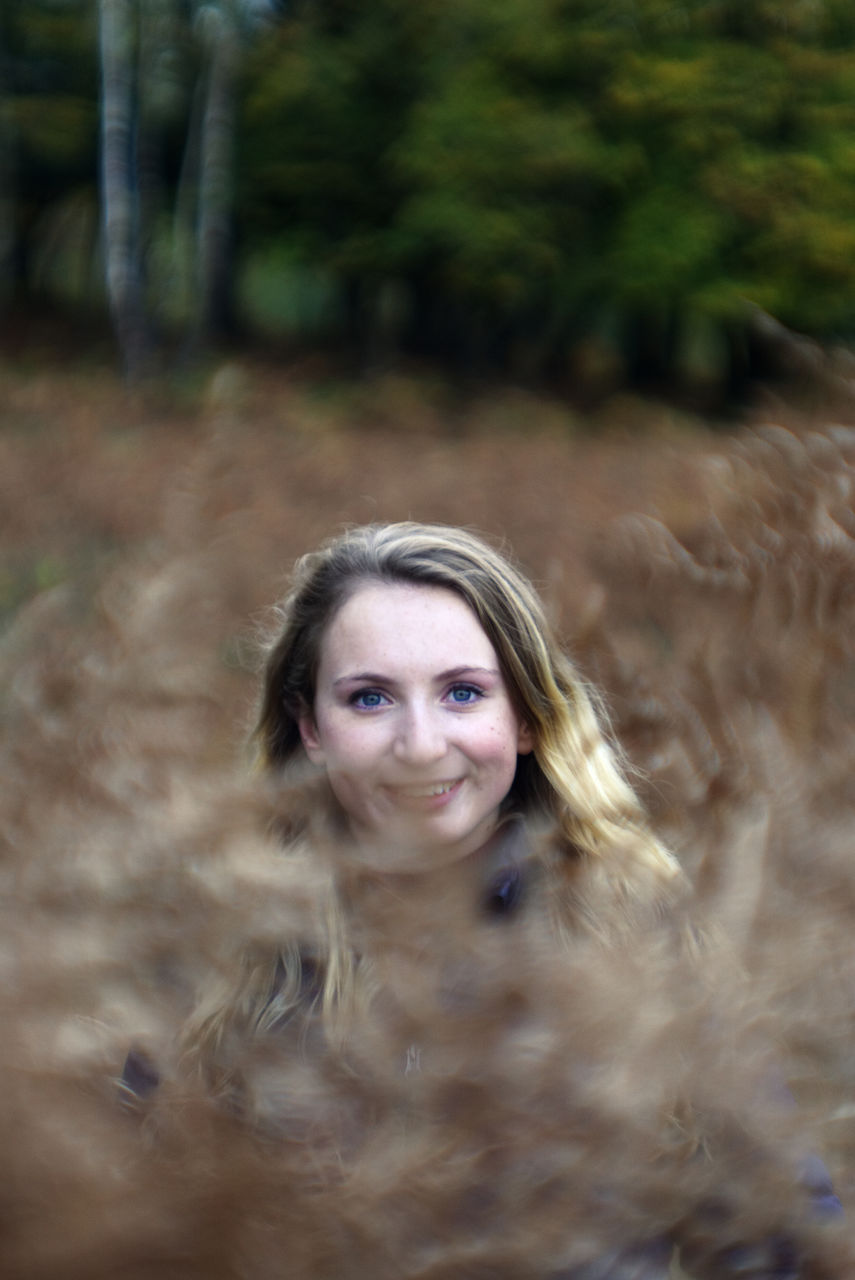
389 855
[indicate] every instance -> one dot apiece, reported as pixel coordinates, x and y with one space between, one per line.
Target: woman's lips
428 791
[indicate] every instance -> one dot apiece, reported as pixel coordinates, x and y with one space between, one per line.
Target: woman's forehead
406 625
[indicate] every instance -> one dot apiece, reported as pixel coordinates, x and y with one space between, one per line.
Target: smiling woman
395 633
438 766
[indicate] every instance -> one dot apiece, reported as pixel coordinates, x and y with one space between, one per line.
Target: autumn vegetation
703 580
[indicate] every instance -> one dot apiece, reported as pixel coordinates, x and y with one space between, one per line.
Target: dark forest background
594 193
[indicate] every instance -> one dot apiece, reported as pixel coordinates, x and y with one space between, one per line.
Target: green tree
48 142
526 173
483 180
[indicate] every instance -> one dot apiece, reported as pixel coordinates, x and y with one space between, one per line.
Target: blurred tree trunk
184 210
119 187
7 177
214 243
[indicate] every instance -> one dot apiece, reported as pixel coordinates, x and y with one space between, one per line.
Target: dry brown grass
705 582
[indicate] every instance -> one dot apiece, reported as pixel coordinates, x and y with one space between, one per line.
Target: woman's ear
525 739
310 737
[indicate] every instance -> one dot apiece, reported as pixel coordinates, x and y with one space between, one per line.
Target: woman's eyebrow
375 677
455 672
371 677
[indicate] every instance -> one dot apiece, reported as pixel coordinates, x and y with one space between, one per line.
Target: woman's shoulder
613 892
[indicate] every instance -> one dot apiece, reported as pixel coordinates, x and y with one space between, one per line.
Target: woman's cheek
354 748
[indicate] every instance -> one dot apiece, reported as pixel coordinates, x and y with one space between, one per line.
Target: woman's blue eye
367 698
465 693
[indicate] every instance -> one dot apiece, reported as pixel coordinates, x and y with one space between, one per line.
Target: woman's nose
420 738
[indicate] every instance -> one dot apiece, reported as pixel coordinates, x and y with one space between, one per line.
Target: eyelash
356 699
466 688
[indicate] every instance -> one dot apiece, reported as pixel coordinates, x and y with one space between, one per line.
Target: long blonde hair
572 781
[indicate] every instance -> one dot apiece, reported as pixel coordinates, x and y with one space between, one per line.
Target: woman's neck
435 901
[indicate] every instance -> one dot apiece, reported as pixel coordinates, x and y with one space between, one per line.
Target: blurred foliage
507 182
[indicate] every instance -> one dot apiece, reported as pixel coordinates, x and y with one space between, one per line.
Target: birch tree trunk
214 264
119 187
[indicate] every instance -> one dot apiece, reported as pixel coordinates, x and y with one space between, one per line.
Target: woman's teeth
439 789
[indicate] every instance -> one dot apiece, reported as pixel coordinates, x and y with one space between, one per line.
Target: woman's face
413 721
